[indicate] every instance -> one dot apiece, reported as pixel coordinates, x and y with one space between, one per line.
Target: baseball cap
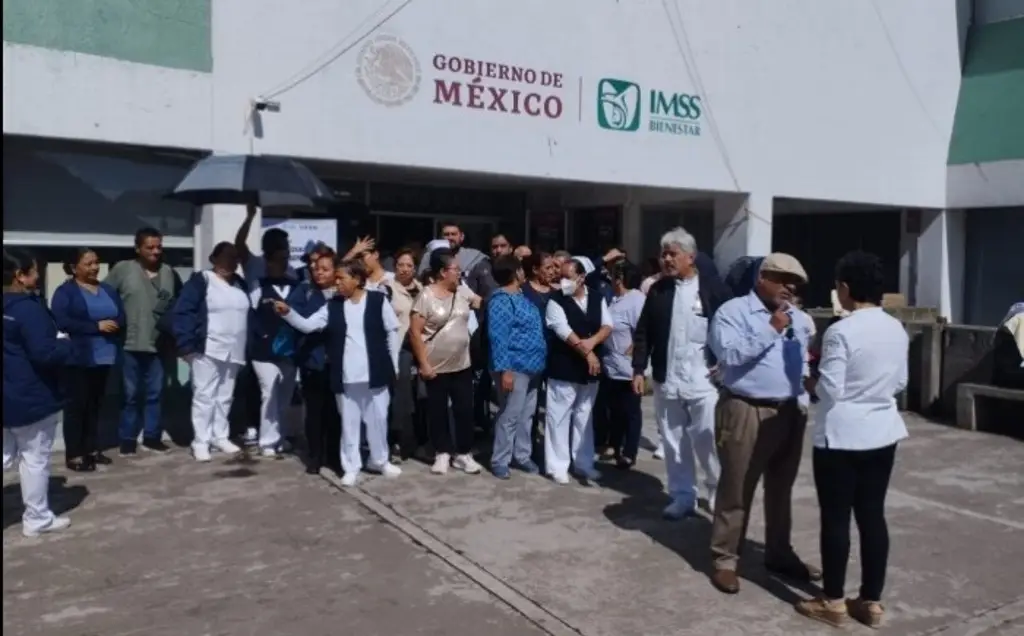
783 263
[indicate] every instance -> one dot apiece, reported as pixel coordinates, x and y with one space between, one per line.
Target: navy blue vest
564 362
311 348
270 336
382 371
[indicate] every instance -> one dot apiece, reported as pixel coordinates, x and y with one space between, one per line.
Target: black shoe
129 448
81 465
312 469
155 445
102 459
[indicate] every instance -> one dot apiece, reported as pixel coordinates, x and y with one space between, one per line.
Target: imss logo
618 105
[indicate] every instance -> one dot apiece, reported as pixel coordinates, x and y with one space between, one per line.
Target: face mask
568 286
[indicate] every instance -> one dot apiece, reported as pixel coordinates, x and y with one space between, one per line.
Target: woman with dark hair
623 416
272 350
857 427
518 352
407 424
91 313
538 268
210 323
439 334
322 421
33 355
361 332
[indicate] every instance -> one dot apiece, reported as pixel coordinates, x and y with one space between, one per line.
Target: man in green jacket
148 288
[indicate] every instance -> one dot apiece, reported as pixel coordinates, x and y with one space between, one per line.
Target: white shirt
625 312
227 320
863 366
686 367
355 366
255 268
556 320
383 282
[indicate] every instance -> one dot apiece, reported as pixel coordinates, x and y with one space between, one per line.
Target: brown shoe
830 612
725 581
868 613
794 569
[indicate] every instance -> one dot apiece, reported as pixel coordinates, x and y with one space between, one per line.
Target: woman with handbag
439 334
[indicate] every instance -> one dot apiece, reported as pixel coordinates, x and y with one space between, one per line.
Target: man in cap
760 341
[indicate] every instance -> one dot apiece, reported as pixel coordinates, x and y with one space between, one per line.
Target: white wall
840 101
77 96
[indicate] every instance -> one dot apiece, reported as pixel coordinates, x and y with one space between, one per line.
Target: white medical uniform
685 403
30 447
215 370
359 402
569 419
277 385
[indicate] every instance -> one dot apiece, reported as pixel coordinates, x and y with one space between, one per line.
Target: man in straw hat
760 341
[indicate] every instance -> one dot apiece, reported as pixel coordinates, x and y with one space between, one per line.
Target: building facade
806 126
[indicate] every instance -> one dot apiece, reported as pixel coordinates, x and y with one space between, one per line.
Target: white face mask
568 286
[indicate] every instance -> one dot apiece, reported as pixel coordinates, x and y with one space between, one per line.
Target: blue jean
143 375
514 422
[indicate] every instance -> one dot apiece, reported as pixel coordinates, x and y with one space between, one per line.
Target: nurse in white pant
210 325
580 321
271 349
362 332
33 355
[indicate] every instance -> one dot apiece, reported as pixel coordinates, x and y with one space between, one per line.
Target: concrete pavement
161 545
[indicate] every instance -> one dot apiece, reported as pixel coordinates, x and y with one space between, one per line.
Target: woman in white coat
210 325
362 344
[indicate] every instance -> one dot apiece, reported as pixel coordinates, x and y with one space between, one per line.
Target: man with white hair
672 335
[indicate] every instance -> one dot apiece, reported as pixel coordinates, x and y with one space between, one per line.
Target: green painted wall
169 33
988 124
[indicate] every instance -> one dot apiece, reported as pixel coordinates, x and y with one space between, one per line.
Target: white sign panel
302 233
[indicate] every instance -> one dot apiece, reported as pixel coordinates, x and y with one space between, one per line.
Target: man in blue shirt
760 341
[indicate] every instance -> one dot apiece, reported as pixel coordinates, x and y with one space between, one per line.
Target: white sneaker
442 461
390 470
270 453
56 525
560 478
251 436
350 479
677 510
201 453
466 464
225 446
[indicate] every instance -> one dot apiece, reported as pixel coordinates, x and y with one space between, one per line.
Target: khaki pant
754 439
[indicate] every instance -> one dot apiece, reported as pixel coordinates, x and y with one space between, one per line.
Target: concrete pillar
743 227
218 223
940 263
632 229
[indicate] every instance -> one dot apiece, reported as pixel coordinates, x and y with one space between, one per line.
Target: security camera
269 106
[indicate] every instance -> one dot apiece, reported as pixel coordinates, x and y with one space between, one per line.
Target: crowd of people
406 363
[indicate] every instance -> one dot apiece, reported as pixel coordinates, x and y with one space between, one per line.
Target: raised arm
242 235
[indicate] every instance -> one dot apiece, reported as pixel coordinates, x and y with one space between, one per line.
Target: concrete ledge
967 395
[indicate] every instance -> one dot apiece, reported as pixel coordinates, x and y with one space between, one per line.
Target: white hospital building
804 126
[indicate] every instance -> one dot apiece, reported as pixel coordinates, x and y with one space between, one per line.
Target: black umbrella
252 180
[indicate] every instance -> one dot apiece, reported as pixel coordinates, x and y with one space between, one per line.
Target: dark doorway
819 240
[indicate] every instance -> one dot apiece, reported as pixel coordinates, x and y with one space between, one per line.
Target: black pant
457 387
86 388
406 426
854 481
625 418
602 416
323 424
